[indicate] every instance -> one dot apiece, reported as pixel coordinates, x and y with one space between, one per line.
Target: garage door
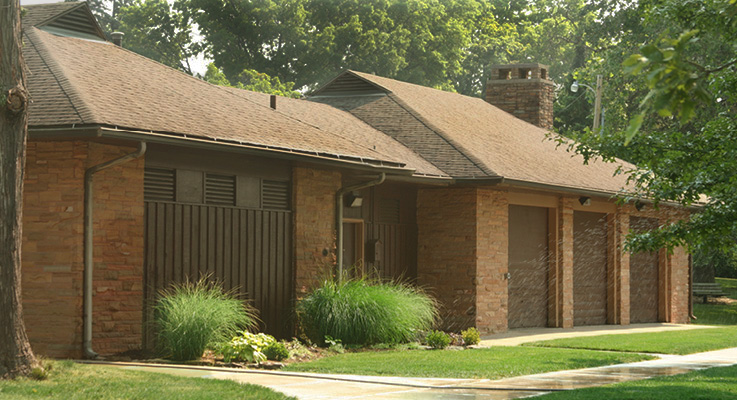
528 266
643 277
589 268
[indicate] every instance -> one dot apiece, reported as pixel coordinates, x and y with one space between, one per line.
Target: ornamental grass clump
190 317
366 311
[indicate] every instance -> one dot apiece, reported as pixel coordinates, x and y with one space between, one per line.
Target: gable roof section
73 18
331 119
477 133
80 82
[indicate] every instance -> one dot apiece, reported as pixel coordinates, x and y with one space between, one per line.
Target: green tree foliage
681 88
153 29
430 42
252 80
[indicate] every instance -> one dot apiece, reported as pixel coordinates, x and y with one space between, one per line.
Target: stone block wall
314 225
53 249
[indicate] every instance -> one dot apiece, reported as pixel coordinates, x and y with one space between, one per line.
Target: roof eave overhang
104 132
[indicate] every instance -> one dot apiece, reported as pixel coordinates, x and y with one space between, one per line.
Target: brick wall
118 253
314 225
492 214
446 253
53 247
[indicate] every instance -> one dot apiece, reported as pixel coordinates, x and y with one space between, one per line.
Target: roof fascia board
63 133
565 189
194 142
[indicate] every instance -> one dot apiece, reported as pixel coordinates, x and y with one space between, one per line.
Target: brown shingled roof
83 82
480 133
331 119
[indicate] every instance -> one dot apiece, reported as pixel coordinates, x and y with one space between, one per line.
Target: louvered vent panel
389 211
220 189
77 20
275 195
159 184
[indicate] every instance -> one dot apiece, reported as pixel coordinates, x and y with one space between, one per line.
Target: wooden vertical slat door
528 267
589 268
246 250
644 274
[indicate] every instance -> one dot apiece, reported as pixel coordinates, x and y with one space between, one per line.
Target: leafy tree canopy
252 80
681 88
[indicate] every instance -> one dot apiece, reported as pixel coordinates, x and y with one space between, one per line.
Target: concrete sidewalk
516 337
308 386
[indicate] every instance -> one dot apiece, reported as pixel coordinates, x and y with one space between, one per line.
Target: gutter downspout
339 217
88 241
690 287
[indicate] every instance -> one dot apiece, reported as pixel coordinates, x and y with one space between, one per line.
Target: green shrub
192 316
437 339
365 311
246 347
276 351
471 336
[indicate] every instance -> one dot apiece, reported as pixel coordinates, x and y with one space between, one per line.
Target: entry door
643 277
589 268
528 267
353 258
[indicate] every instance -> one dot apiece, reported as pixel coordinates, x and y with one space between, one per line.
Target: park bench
708 289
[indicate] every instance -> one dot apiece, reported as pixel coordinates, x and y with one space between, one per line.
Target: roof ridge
457 146
56 71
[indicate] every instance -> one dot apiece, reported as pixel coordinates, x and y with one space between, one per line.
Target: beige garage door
589 268
643 277
528 266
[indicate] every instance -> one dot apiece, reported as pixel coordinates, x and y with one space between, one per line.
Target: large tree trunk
16 357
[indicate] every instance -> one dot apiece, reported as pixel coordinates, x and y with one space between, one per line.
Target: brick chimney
524 91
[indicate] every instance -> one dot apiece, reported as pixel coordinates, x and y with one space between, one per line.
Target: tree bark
16 356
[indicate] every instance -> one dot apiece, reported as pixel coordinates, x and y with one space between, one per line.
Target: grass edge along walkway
488 363
69 380
718 383
671 342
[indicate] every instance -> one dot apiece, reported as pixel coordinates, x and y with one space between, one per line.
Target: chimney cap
519 65
117 38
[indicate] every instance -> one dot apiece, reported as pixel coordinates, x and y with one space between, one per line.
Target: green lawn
719 314
709 384
729 286
71 381
493 363
672 342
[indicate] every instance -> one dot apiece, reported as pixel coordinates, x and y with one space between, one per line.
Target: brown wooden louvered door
643 277
236 229
528 267
589 268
